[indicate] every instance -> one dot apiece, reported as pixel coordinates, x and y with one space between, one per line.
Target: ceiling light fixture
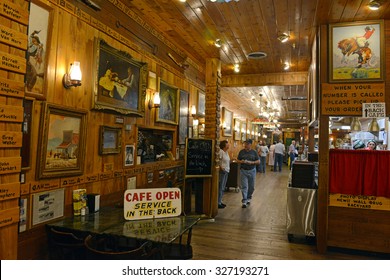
374 5
286 66
218 43
236 67
283 37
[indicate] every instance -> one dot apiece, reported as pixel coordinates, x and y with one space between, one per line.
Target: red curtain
359 172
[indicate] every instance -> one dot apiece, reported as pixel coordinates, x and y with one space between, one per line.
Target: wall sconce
193 111
374 5
155 101
286 66
73 78
283 37
224 125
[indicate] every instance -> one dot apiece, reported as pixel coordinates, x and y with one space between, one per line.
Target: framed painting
61 150
129 155
356 51
227 122
201 104
26 129
237 130
183 117
169 104
37 54
119 82
110 140
243 131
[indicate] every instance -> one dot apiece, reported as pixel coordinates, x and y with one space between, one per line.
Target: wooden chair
106 247
64 245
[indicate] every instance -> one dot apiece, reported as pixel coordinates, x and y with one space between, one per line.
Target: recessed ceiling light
257 55
283 37
374 5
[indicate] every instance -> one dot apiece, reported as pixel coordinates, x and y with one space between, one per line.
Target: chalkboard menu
198 157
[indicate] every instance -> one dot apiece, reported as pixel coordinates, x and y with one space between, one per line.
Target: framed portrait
201 110
37 54
237 130
227 122
129 155
110 140
356 51
243 131
26 130
183 117
169 104
119 82
61 150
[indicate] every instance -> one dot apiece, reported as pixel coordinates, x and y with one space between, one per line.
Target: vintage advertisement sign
359 201
374 110
347 99
152 203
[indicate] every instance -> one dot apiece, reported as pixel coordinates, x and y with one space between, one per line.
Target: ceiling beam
265 79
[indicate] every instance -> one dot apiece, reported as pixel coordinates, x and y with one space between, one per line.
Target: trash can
302 201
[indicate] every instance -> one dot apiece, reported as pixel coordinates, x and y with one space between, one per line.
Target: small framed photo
129 155
110 140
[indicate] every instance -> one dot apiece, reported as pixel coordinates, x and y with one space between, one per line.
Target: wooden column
13 45
212 131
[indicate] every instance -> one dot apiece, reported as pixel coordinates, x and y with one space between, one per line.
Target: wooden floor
259 231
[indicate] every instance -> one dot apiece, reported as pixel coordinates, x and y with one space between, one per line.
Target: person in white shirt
263 151
271 159
224 168
279 153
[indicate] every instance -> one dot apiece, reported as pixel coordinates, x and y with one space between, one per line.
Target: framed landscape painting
356 51
119 81
62 143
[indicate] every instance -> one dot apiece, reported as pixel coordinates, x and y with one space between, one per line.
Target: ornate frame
119 82
63 153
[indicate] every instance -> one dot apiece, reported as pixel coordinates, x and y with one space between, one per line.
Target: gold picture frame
119 82
61 150
110 140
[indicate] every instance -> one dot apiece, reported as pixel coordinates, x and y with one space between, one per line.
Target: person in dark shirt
248 158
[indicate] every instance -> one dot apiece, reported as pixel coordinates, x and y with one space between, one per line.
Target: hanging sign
347 99
374 110
152 203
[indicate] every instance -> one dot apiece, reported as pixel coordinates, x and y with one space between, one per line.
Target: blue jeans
278 162
248 179
263 161
222 184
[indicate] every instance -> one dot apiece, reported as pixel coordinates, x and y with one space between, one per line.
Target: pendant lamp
374 126
355 124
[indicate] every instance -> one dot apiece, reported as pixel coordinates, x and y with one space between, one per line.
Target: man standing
279 153
224 160
248 158
292 151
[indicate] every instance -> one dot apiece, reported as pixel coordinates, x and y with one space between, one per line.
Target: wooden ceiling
249 26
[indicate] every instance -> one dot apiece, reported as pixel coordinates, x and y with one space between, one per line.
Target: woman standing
224 160
271 159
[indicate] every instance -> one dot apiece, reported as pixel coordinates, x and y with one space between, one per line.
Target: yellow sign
347 99
360 201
